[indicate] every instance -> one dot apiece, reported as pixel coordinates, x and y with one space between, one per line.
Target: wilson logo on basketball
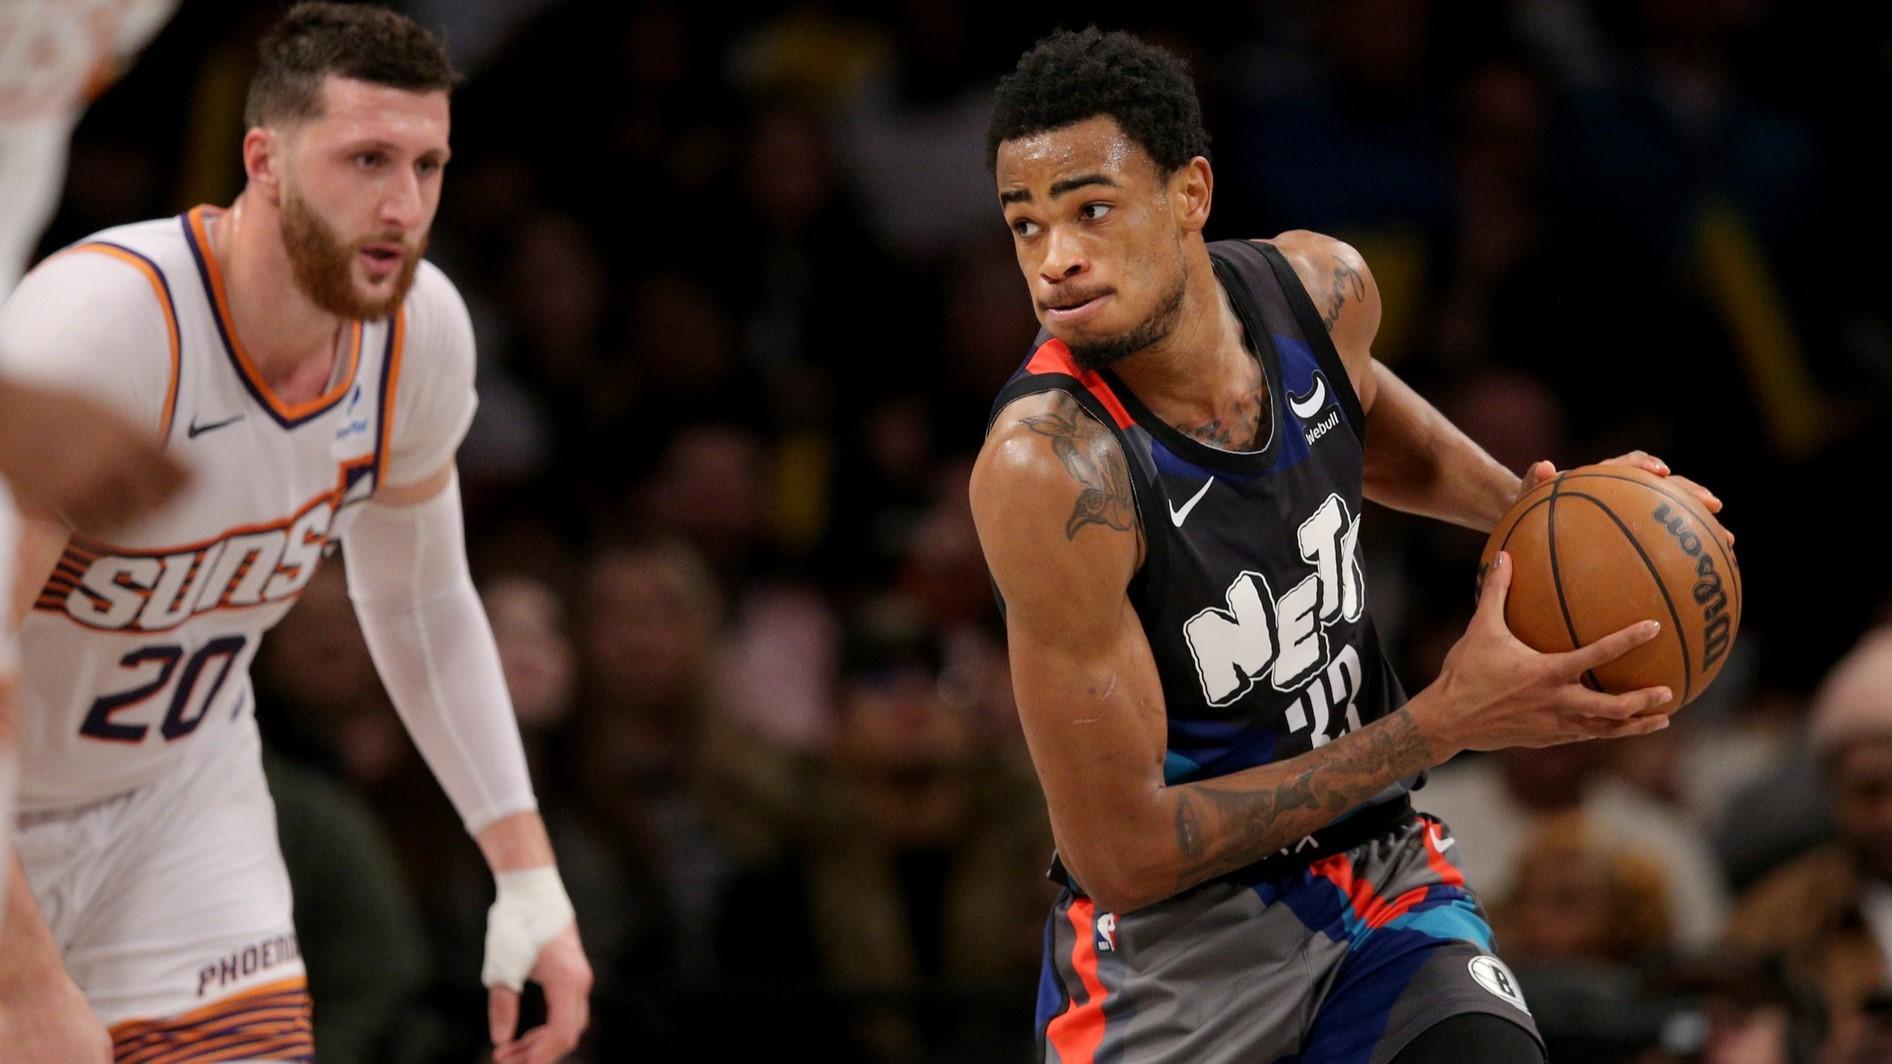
1708 593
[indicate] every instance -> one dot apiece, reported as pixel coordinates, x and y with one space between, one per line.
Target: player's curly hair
1070 76
360 41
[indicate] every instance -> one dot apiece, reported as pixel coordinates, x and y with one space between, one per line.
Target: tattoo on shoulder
1347 284
1093 459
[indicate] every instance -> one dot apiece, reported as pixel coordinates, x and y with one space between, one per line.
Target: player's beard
1096 354
323 265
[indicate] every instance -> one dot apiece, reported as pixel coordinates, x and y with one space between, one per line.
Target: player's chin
1082 333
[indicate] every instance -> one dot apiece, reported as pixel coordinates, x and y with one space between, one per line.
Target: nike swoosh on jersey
195 430
1308 407
1177 517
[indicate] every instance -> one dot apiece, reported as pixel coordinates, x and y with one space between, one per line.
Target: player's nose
402 204
1064 256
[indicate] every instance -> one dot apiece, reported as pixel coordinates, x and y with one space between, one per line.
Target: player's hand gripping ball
1602 547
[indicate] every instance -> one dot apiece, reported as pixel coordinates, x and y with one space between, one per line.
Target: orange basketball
1602 547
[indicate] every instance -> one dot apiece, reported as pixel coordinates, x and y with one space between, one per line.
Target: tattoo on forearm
1347 283
1220 828
1093 458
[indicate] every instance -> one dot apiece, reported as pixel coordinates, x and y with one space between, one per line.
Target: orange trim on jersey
286 411
1078 1031
269 1020
391 380
1053 356
170 324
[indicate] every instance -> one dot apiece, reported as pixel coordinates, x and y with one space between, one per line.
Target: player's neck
290 340
1203 367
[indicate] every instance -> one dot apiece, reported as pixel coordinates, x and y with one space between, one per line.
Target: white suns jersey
138 649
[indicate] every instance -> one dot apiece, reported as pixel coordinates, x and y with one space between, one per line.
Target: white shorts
171 907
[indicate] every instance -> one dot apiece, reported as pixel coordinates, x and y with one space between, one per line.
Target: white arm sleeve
432 645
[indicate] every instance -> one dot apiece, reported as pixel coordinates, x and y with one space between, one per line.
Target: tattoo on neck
1244 433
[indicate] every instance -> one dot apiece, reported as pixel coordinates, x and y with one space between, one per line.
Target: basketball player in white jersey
314 376
63 453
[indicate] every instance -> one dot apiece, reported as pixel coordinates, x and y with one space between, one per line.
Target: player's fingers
568 1003
1641 703
1623 729
1643 460
1607 649
1491 592
1538 473
519 1050
540 1045
1708 498
502 1014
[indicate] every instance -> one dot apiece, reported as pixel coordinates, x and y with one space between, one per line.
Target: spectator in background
1574 898
1829 913
1736 1008
1495 802
651 741
923 869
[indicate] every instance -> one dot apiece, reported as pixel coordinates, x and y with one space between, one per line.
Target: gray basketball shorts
1342 961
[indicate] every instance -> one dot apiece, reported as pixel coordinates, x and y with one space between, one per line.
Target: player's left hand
562 971
1643 460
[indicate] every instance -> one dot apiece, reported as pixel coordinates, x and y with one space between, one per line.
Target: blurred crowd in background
743 295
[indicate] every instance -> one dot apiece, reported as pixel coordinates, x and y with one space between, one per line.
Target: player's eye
1091 212
369 160
427 167
1025 227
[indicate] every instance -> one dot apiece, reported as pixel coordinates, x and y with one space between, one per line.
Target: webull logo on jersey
121 590
1281 638
352 423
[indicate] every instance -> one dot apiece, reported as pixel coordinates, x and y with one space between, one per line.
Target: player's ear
263 162
1191 188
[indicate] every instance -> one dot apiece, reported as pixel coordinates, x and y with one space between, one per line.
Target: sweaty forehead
351 107
1095 145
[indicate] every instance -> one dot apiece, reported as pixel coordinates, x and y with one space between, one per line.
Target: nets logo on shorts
1495 977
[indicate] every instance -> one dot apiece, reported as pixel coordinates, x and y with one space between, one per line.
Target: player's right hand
73 456
50 1023
1494 692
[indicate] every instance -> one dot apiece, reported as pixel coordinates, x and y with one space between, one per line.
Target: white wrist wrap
531 907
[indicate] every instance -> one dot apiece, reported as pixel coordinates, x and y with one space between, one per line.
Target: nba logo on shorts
1106 932
1495 977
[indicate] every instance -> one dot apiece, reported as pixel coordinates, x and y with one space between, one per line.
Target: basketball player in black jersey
1169 499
